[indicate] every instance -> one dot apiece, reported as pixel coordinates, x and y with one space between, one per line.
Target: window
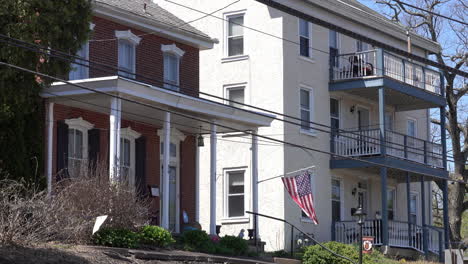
235 35
333 41
172 150
334 114
77 145
336 200
127 155
413 207
391 202
127 54
236 94
389 121
306 107
361 46
411 128
235 194
304 38
80 71
171 71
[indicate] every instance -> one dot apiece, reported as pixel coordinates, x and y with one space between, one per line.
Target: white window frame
309 89
310 37
175 51
339 111
342 207
244 217
132 39
176 137
237 86
408 120
83 126
131 135
226 17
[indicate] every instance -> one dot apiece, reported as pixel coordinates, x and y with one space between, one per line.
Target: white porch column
114 138
255 180
213 180
165 171
197 182
50 144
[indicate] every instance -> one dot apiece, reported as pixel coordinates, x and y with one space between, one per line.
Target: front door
363 118
173 220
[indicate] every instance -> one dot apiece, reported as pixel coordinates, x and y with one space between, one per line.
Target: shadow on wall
20 255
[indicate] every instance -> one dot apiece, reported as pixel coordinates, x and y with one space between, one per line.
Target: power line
320 22
210 122
50 52
431 12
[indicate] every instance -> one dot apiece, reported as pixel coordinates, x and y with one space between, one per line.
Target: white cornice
175 134
129 133
173 49
128 35
79 123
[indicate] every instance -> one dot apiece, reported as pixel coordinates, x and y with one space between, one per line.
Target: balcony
402 152
361 73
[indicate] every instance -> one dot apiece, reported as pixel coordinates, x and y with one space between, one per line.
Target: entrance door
173 219
363 118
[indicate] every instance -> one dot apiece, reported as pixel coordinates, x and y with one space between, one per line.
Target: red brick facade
103 48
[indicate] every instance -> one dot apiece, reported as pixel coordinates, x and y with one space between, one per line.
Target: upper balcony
410 86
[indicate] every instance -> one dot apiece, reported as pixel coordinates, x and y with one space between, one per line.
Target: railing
359 143
436 239
398 234
365 64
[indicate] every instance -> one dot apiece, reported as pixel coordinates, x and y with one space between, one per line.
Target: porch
400 234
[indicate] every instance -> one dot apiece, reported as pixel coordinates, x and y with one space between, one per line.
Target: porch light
200 141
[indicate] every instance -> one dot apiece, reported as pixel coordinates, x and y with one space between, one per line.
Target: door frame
357 114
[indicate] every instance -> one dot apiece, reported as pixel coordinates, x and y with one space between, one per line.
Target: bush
116 237
155 236
236 244
197 240
317 255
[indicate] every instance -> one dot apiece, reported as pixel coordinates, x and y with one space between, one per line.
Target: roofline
378 23
150 25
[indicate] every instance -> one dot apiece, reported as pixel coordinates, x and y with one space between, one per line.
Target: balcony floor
403 96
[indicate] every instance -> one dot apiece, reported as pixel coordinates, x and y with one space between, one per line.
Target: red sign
367 244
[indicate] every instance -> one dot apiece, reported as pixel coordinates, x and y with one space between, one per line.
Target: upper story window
127 42
362 46
172 55
80 69
334 43
77 145
411 128
306 108
305 38
235 35
236 94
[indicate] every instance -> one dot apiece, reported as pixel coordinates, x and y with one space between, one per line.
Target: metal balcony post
408 207
405 146
423 217
383 179
380 62
425 151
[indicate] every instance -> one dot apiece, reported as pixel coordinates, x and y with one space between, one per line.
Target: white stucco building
276 61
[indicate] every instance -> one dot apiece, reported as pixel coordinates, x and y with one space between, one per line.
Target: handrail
313 239
357 52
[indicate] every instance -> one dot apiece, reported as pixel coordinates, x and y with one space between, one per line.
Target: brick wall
149 57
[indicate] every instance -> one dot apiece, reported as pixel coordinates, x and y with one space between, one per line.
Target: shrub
197 240
155 236
237 244
116 237
317 255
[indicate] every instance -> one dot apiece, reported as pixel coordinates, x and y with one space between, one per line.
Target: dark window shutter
140 166
94 141
62 150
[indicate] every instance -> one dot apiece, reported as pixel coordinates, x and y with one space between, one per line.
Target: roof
155 13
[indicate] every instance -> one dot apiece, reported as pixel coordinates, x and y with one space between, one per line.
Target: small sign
367 244
99 221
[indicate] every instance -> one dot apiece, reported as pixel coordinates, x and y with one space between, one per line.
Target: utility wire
431 12
344 134
211 122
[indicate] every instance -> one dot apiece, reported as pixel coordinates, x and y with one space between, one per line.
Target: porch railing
398 234
366 142
365 64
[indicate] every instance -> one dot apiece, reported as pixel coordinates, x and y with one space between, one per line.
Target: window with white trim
236 94
127 42
306 108
235 195
305 38
172 55
411 127
336 200
127 155
235 35
334 114
391 202
333 41
77 145
80 70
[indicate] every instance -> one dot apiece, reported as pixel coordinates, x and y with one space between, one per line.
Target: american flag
301 192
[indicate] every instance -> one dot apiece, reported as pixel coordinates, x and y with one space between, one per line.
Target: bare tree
453 38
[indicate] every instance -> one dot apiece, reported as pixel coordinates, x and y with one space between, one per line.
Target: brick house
156 106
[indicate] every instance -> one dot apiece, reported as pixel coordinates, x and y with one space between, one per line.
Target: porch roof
225 116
